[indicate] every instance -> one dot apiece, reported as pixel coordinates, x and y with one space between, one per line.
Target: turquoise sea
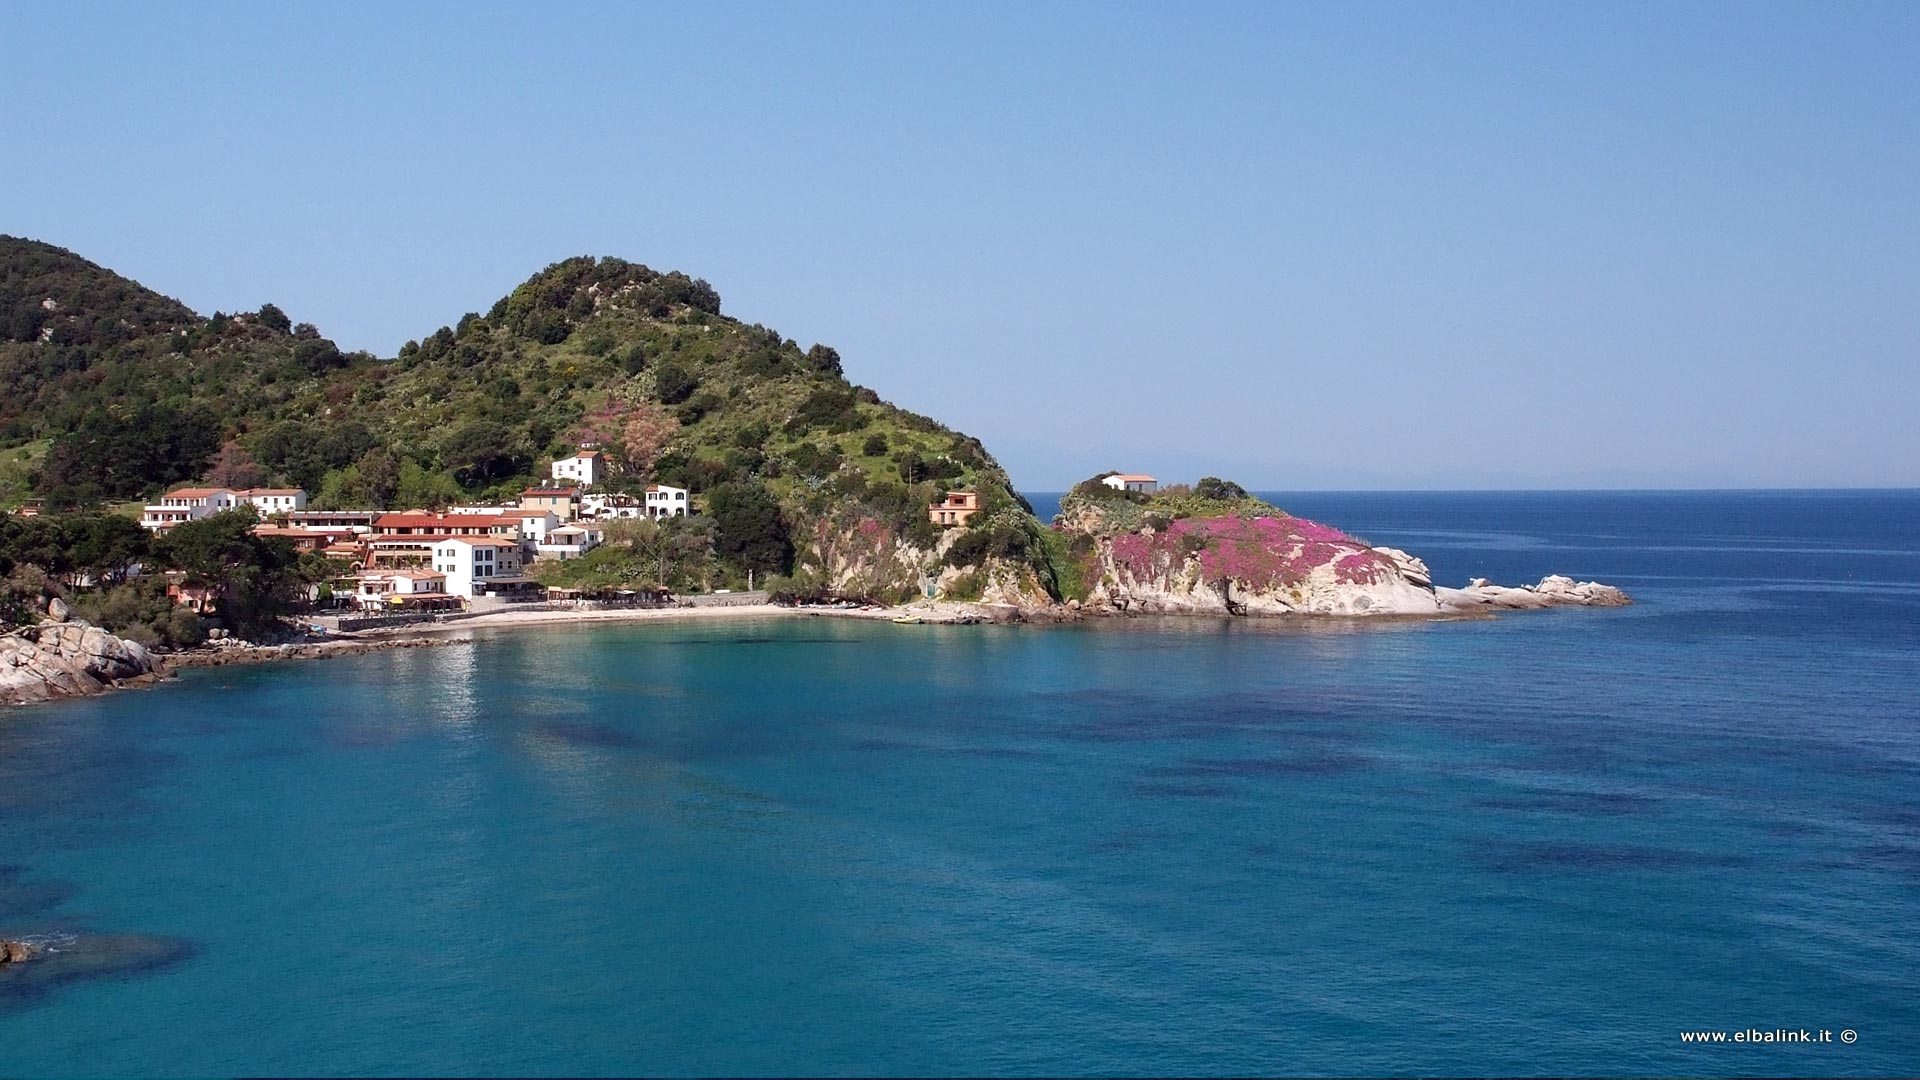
1545 843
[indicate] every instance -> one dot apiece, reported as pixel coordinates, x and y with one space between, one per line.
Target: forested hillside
115 392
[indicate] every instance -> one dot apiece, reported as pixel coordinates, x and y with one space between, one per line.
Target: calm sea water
1549 842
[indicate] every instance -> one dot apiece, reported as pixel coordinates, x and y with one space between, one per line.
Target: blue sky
1338 246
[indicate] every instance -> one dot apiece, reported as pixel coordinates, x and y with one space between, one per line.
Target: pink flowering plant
1262 552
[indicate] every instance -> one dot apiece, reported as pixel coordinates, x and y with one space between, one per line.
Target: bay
1545 843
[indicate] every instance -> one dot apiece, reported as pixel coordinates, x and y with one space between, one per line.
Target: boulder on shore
67 659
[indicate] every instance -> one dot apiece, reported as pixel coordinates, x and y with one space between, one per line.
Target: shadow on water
69 955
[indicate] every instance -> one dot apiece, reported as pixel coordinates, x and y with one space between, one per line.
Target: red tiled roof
194 493
449 521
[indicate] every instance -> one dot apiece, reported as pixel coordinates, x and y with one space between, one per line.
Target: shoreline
1479 600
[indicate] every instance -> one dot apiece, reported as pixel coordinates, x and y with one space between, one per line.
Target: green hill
128 392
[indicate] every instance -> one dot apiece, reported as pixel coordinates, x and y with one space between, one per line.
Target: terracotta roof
451 521
1133 478
479 541
195 493
550 491
270 491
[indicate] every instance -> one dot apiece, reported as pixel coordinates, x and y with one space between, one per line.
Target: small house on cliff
954 509
1146 485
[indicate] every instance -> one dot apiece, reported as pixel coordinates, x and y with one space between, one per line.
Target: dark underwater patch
1595 803
1169 790
1533 857
74 956
1309 763
579 734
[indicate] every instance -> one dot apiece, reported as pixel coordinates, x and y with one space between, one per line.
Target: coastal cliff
69 659
1222 552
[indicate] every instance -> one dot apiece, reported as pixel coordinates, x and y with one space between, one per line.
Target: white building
1131 482
270 501
470 562
586 468
606 506
388 589
535 525
664 501
569 541
186 504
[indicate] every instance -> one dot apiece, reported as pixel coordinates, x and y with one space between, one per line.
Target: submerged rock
47 961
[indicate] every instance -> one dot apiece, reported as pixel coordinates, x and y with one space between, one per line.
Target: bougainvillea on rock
1260 552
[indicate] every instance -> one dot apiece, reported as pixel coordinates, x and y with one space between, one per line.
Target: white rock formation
67 659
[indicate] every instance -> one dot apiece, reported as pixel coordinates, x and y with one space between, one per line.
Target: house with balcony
403 590
569 541
609 506
480 566
186 504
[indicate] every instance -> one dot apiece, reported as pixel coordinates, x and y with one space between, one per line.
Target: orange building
955 509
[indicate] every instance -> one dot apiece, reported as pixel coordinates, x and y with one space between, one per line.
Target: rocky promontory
68 659
1218 551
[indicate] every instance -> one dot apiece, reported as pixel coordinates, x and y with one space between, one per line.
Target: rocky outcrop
68 659
1262 561
1553 591
17 952
1256 565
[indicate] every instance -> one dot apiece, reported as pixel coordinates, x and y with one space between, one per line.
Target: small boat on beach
908 620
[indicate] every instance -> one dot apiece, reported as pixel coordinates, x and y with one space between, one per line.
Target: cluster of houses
412 560
416 560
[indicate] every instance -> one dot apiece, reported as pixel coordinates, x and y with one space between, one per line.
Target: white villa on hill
586 468
664 501
186 504
191 504
609 505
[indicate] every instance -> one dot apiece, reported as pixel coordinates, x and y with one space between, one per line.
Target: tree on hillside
749 530
273 318
646 433
673 384
1212 487
825 360
481 451
233 467
114 454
